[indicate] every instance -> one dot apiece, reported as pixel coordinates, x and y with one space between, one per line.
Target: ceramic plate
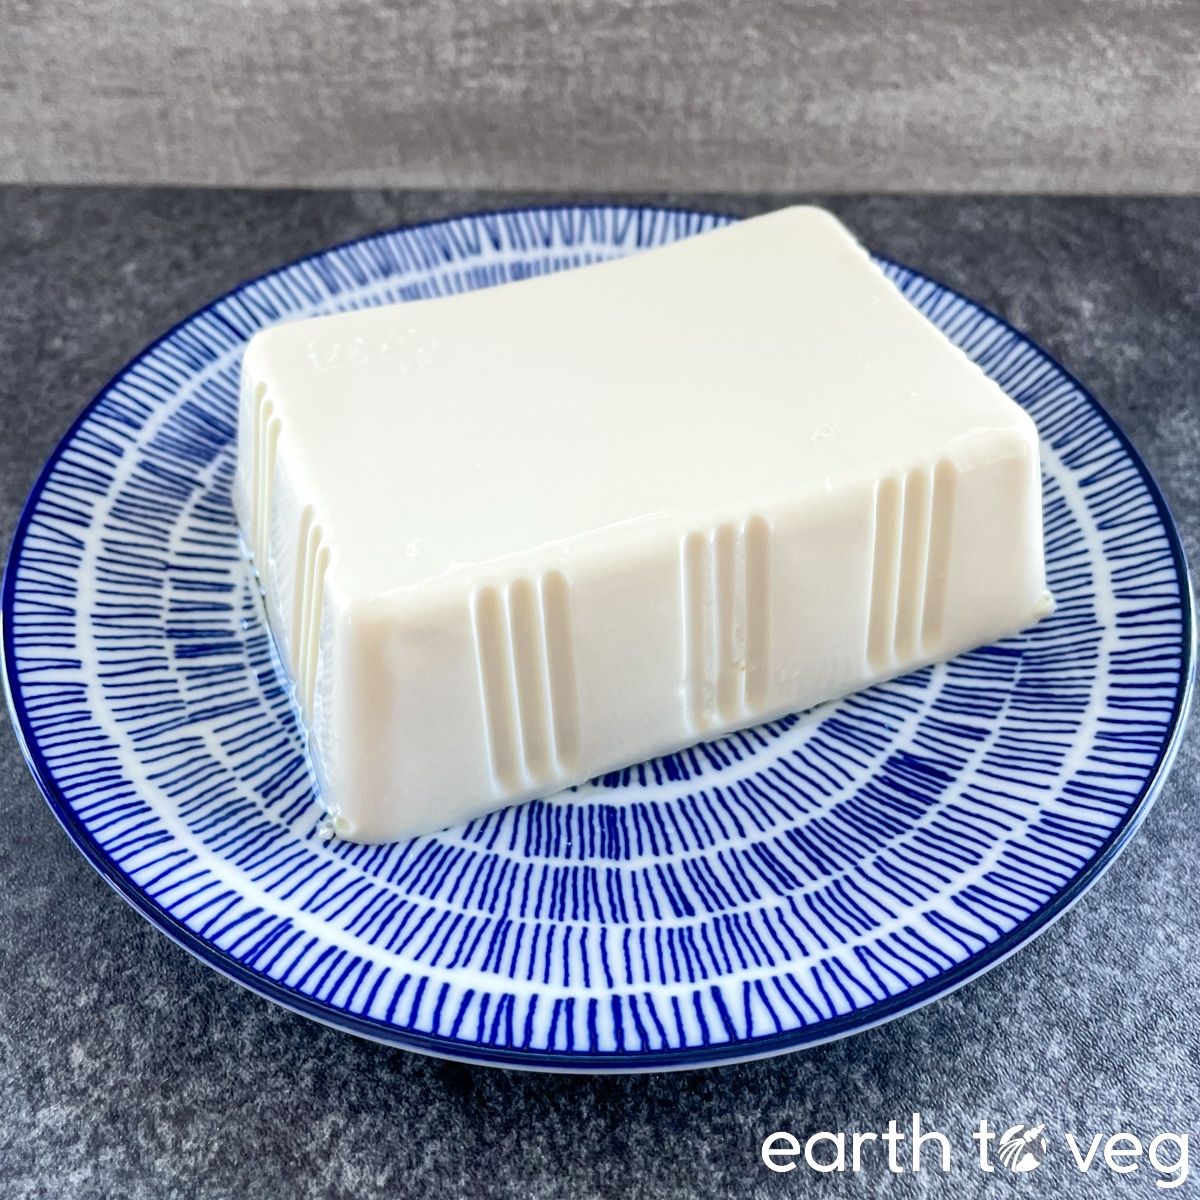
773 889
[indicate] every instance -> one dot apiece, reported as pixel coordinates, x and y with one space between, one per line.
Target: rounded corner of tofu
256 347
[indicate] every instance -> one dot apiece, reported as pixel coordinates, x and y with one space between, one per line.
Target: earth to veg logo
1022 1148
1019 1149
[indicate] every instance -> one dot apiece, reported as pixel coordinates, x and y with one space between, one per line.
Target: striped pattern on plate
764 891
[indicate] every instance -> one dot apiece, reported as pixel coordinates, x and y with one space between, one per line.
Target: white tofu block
513 539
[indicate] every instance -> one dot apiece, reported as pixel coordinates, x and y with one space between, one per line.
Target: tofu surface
513 539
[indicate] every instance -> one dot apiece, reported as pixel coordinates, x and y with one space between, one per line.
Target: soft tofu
512 539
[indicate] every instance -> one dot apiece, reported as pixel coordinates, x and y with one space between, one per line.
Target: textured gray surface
928 95
129 1069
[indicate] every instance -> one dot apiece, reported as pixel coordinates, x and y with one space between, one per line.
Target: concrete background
605 95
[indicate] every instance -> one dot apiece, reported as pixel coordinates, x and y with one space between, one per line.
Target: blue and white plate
766 891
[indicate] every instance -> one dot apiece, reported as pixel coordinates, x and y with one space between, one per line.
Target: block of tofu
512 539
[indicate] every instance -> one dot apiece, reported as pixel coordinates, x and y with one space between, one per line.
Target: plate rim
600 1062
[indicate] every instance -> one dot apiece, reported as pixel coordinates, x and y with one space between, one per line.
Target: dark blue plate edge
596 1062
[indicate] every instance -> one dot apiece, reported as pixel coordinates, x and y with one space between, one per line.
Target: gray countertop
129 1069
